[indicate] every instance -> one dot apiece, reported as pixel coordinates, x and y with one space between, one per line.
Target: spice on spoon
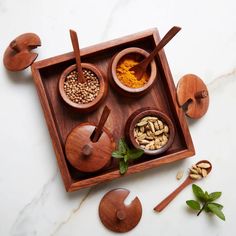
127 77
199 171
82 93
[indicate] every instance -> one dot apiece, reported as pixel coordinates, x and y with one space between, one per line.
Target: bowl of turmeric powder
123 78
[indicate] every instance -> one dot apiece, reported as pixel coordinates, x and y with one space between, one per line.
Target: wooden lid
85 155
115 215
18 55
192 96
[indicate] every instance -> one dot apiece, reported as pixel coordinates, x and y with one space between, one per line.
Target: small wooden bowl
138 115
137 54
91 105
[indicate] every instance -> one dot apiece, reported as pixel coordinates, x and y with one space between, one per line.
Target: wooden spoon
140 68
98 130
75 44
188 181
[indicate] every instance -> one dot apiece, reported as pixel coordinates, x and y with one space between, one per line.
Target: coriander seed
82 93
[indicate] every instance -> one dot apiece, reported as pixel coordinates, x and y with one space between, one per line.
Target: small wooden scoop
188 181
140 68
75 44
98 130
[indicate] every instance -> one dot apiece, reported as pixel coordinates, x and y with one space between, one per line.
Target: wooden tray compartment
61 119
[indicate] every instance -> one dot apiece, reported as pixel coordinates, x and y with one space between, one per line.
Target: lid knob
192 96
18 55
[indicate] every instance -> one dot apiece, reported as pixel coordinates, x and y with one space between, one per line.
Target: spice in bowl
126 76
82 93
151 133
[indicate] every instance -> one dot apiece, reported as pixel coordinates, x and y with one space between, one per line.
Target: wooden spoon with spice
75 44
140 68
189 180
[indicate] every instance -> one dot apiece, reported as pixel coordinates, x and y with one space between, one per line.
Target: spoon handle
169 198
98 130
169 35
75 44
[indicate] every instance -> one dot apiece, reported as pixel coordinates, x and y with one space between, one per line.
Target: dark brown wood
86 155
75 44
88 107
18 55
164 203
192 95
141 68
98 130
138 115
61 119
115 215
137 54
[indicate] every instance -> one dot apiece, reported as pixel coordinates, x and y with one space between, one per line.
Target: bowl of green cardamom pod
150 130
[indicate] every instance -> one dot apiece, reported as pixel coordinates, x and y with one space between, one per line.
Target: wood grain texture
87 107
137 54
75 44
192 95
141 68
61 119
98 131
164 203
86 155
138 115
115 215
18 55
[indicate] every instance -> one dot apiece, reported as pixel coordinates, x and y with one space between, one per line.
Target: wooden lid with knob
18 55
115 215
86 155
192 96
88 147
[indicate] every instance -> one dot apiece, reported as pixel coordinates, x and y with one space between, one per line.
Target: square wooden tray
61 119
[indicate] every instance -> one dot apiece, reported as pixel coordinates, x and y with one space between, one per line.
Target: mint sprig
205 201
125 154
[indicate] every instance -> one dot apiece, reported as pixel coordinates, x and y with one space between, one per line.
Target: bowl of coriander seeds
86 96
150 130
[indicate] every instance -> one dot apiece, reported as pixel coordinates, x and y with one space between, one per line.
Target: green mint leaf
198 192
117 154
123 148
213 196
213 203
123 167
206 196
126 158
135 153
216 210
195 205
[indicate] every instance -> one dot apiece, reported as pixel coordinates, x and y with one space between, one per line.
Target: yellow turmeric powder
127 77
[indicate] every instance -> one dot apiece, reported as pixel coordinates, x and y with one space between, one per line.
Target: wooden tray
61 119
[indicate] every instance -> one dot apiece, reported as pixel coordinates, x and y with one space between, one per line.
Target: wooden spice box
61 119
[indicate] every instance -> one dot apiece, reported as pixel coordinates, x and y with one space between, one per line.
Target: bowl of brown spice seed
151 130
86 96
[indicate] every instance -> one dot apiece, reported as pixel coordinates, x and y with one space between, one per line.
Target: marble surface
32 196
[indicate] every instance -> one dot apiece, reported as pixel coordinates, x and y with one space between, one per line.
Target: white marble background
32 196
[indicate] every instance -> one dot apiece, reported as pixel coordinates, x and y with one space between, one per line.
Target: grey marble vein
24 216
73 212
220 80
117 6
